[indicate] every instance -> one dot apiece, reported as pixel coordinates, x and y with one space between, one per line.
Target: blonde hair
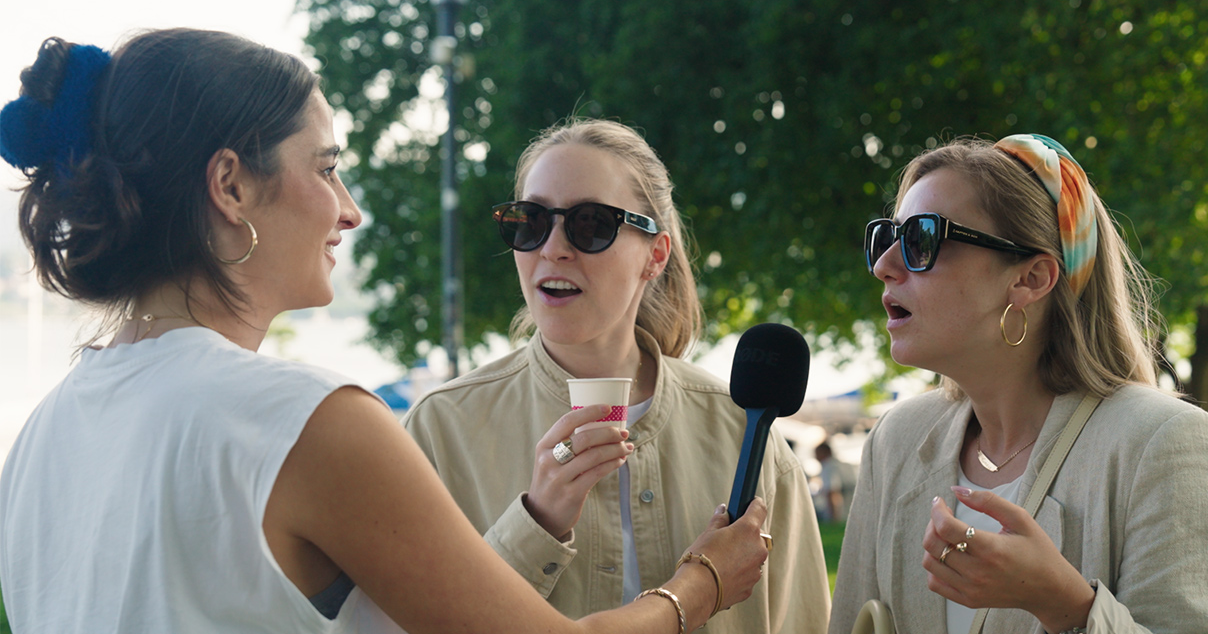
670 309
1095 342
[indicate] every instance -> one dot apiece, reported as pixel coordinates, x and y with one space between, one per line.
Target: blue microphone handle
750 461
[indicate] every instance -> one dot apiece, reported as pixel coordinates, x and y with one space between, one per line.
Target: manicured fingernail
962 492
629 446
721 508
935 500
624 434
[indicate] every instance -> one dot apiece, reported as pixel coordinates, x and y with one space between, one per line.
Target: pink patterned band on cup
617 414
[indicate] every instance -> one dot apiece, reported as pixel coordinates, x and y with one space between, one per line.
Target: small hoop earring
1002 326
255 241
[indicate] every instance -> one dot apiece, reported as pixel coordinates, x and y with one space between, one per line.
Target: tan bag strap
1048 472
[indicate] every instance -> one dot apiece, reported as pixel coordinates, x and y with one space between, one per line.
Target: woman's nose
557 247
350 212
889 265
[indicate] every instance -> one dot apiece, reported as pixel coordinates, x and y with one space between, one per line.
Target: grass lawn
4 628
832 541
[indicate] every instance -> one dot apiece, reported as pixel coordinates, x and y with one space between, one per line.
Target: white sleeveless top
960 618
134 497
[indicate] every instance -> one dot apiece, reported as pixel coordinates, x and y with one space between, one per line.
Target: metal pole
443 48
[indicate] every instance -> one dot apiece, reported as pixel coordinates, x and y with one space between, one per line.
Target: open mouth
896 311
559 288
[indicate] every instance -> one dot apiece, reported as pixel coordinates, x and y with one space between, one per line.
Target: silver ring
563 453
969 533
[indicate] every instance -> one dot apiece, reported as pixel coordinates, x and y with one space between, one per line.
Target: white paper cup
613 392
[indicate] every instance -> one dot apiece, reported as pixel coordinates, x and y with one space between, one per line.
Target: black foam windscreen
771 367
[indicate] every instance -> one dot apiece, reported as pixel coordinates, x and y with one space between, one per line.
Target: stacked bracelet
689 556
670 596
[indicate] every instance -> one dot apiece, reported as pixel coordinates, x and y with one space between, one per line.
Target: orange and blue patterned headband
1065 181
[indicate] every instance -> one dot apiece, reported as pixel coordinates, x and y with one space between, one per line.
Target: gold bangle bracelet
670 596
689 556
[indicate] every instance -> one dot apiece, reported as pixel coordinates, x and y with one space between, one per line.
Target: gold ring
962 547
969 533
944 555
767 540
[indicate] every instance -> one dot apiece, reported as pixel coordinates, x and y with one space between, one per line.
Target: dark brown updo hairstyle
131 214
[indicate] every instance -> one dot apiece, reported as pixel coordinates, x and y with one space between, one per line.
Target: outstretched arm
358 488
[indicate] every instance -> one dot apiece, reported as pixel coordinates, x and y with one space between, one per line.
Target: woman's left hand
1019 567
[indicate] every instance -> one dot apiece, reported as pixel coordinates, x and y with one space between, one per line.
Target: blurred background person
836 483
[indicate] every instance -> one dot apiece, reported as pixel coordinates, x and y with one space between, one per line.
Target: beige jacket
1127 509
480 431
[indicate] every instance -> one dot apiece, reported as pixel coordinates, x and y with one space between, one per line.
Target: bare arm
358 488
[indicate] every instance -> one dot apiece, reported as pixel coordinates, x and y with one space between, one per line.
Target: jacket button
633 436
647 496
550 568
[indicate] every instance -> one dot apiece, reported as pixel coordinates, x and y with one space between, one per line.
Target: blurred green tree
784 124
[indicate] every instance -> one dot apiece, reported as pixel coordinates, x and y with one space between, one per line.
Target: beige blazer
1127 509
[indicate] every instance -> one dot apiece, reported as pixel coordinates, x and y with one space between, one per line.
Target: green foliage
783 123
5 628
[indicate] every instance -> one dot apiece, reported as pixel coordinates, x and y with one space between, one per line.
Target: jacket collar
939 455
552 378
940 448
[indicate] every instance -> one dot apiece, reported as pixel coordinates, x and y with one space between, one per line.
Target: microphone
771 367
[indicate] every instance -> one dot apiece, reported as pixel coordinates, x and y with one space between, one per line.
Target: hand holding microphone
768 378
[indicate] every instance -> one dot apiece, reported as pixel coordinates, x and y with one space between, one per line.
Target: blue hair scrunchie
32 134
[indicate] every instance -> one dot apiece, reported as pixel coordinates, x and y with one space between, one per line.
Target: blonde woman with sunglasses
1048 486
603 266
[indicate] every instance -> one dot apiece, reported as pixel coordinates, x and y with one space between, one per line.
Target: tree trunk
1197 385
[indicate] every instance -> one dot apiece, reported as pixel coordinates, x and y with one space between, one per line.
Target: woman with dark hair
602 258
1048 486
177 481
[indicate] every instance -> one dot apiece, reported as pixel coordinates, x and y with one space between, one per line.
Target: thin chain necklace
149 319
989 464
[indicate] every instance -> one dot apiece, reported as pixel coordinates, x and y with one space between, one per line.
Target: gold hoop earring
255 241
1002 326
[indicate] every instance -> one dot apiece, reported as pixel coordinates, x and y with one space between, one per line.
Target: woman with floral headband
1047 481
176 481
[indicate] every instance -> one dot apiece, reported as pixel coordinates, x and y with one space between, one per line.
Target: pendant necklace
989 464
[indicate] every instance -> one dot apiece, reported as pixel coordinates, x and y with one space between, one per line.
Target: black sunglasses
590 227
921 236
